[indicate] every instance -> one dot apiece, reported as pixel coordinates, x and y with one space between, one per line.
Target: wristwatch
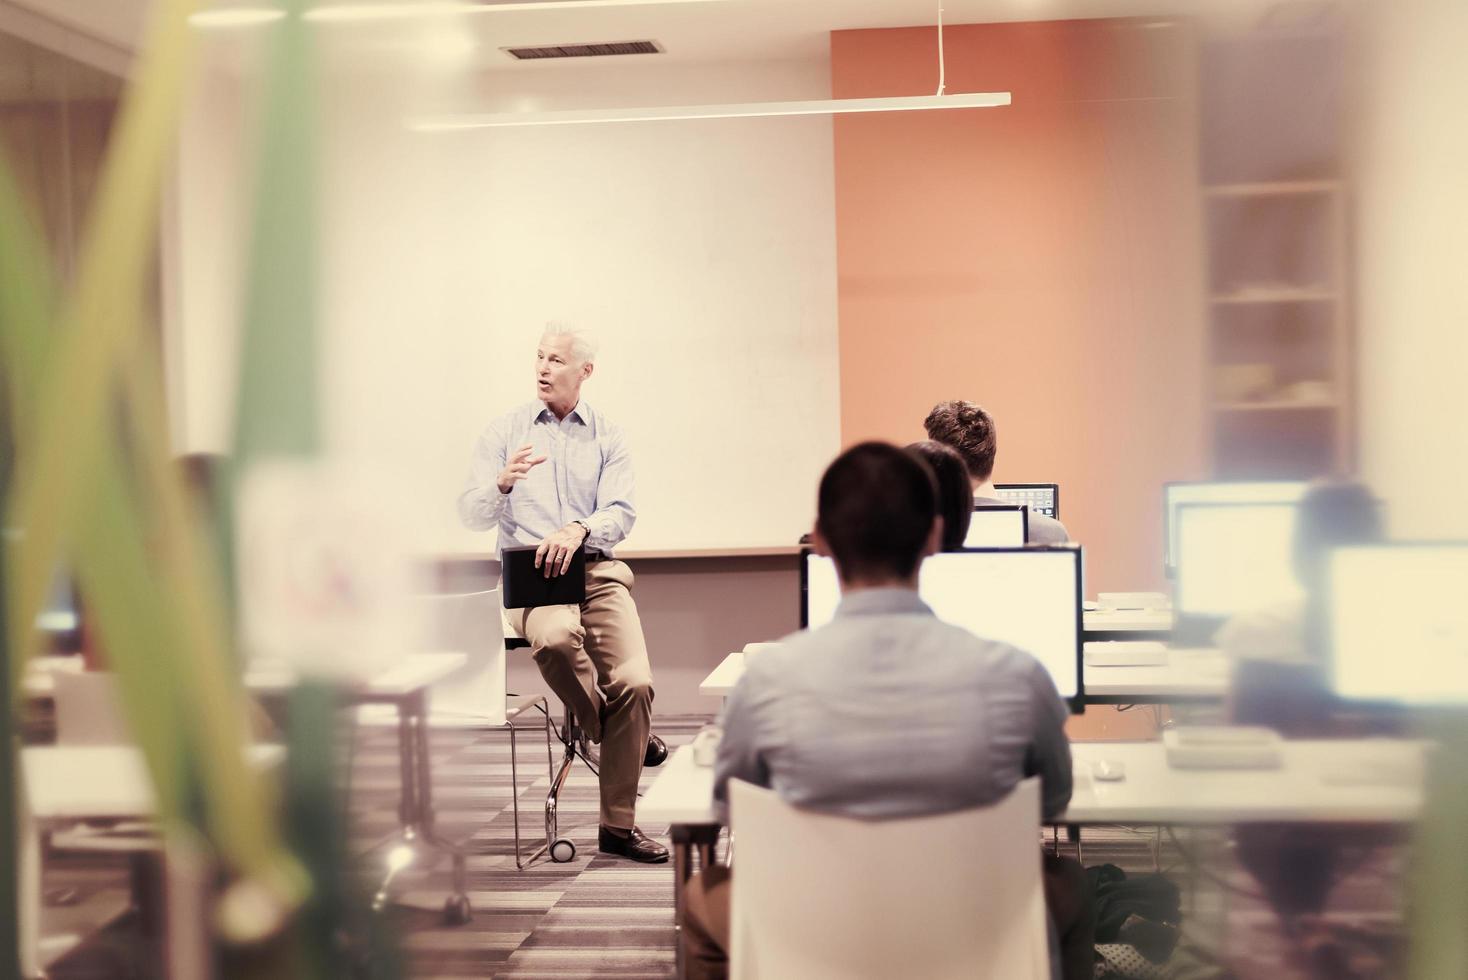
585 527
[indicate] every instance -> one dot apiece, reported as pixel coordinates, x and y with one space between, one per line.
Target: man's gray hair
583 345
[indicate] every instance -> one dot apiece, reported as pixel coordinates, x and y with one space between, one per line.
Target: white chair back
471 623
952 895
88 709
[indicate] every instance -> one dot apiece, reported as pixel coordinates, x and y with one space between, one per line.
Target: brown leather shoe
636 846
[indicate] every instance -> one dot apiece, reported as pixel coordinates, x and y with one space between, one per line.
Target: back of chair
471 623
88 709
953 895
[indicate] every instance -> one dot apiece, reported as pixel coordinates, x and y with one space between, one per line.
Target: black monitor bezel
1077 703
1054 489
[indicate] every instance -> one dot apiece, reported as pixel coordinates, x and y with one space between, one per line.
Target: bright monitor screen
1174 495
1027 597
997 527
1399 623
1234 557
1040 498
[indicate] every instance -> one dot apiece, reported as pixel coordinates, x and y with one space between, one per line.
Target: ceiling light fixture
740 110
235 17
341 12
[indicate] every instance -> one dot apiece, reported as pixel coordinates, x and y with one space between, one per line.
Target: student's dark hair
955 496
1332 514
875 508
970 430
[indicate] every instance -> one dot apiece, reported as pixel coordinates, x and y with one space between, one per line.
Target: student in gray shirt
887 711
970 430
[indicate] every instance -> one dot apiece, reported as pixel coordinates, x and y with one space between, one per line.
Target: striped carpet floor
598 916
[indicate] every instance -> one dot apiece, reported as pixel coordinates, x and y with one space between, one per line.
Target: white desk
410 675
66 784
1304 790
1126 621
1308 788
1188 675
404 685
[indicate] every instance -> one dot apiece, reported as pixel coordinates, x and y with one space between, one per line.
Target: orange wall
1040 259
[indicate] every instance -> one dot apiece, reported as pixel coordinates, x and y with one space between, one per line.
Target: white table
1141 624
67 784
404 686
1196 675
1188 676
1313 786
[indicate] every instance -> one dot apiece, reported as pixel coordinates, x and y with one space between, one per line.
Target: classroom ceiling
689 31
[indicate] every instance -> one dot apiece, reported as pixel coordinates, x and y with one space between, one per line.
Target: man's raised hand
519 466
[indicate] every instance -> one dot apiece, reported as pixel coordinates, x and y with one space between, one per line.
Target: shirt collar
879 602
581 413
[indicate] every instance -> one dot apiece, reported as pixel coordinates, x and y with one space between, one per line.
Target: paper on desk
753 649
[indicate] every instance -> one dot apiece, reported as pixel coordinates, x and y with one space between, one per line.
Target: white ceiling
693 31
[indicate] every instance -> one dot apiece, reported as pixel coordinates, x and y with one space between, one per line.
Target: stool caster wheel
562 850
456 910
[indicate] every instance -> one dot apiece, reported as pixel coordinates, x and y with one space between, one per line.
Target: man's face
558 375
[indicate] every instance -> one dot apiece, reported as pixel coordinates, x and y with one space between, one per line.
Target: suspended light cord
940 48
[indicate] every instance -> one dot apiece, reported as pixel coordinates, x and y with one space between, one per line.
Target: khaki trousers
594 658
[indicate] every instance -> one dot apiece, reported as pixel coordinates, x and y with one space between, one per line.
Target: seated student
1278 651
955 498
827 719
1279 682
970 430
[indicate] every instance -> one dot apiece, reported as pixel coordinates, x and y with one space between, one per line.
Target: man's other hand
554 553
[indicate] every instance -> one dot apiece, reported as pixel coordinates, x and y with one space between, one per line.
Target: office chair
821 896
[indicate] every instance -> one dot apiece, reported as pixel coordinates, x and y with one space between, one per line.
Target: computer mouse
1109 770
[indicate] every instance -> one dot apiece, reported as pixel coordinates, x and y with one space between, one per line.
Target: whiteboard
701 254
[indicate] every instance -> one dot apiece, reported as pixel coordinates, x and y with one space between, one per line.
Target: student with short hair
955 498
1279 681
970 430
826 719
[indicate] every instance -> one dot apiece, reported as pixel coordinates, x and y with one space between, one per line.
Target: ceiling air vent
584 50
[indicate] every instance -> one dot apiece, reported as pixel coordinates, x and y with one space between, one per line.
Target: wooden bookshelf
1279 345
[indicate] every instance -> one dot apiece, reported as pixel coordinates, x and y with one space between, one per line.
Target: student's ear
935 538
818 543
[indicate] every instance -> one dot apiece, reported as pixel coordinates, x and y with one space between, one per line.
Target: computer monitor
1397 624
1028 597
1040 498
1234 557
998 526
1174 495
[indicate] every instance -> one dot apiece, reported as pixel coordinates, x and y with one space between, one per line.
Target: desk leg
686 838
416 812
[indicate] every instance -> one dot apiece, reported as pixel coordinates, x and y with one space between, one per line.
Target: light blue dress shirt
586 476
887 712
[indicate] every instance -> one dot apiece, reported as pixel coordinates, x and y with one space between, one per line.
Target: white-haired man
556 473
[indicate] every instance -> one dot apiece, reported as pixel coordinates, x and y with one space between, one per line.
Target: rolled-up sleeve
616 511
1049 754
481 503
